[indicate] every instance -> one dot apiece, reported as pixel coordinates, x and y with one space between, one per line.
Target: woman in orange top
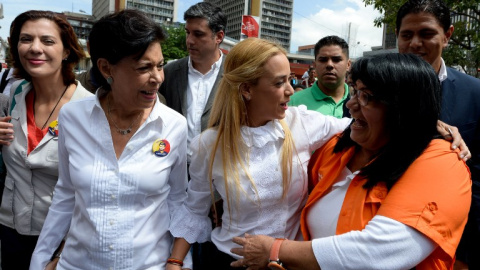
388 194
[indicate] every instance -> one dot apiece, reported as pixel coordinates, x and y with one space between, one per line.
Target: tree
174 46
464 46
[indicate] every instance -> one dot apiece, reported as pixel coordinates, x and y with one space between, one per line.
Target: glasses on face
362 96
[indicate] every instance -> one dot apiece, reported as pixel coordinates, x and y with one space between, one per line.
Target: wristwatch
275 263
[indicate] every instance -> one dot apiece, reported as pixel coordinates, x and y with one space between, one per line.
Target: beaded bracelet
175 261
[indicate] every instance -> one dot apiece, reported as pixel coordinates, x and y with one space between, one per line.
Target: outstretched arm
370 248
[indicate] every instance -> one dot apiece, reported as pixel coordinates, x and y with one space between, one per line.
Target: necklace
50 115
119 130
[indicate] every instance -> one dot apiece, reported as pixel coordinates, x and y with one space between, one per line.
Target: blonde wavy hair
244 64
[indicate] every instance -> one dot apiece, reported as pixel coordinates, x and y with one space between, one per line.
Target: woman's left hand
255 251
451 133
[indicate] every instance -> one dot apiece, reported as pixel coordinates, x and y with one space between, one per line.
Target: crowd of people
217 161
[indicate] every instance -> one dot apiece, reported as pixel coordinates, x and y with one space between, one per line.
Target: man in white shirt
191 83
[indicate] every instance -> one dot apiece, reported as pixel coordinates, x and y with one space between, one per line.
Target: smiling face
422 34
40 48
135 82
202 43
369 128
267 99
331 65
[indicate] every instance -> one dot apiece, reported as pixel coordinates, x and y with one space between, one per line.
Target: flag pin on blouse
161 148
53 128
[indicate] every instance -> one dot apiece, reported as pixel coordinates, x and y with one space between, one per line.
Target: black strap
4 81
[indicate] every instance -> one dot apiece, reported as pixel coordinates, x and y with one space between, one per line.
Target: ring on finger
450 131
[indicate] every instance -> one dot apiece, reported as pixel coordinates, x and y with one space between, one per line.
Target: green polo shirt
316 100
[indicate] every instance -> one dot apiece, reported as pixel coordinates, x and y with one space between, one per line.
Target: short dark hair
69 41
329 41
410 89
119 35
217 20
435 7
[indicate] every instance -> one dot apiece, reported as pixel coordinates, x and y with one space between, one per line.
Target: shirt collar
215 65
442 73
154 114
319 95
10 74
260 136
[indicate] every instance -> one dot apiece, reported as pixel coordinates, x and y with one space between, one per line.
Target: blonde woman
248 155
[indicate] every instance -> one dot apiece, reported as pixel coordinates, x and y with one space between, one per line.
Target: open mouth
359 123
148 93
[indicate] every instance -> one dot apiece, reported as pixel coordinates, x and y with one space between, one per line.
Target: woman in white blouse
122 158
248 154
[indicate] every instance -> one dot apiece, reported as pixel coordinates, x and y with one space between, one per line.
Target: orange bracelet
175 261
274 262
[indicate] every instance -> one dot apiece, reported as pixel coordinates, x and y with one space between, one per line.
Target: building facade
161 11
275 18
82 25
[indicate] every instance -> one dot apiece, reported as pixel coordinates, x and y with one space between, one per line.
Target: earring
249 97
109 80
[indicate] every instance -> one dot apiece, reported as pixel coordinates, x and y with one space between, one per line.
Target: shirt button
112 222
110 247
432 206
114 197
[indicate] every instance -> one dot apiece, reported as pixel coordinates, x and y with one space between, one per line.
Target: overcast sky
312 20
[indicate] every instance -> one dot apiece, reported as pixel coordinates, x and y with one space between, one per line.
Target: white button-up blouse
116 212
264 212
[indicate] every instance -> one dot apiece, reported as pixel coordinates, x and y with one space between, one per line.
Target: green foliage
464 47
174 46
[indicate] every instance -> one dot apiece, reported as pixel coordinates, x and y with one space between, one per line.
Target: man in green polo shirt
330 92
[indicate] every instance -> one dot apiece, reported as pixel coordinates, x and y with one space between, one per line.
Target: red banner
249 26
